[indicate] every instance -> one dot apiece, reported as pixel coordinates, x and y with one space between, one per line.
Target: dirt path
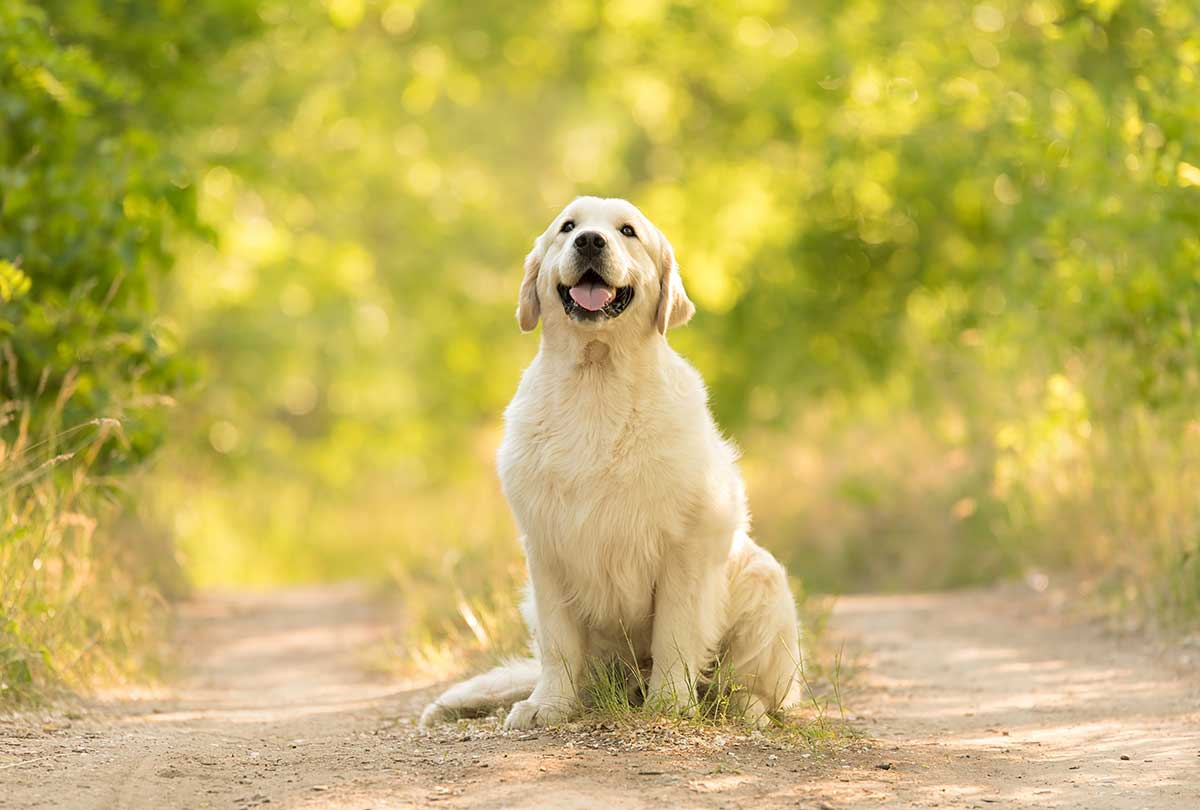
992 700
974 700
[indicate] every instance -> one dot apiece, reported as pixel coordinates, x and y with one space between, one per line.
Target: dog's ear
674 307
529 309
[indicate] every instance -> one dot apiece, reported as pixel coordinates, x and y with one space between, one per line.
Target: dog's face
601 265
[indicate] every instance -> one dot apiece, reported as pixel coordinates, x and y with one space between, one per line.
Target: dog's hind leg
499 687
762 645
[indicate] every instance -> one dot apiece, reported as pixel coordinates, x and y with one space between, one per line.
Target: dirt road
993 700
973 700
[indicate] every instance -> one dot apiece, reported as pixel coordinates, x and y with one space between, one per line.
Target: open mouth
592 298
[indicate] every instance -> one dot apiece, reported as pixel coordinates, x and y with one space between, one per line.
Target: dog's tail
503 686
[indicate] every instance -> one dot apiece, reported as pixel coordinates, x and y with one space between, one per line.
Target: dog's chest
570 478
591 493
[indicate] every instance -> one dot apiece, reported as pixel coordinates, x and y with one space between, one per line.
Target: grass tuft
614 696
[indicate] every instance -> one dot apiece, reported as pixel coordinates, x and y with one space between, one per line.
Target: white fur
630 503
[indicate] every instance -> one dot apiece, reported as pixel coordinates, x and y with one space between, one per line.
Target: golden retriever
629 501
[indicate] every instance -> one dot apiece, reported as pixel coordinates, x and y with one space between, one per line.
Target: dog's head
601 265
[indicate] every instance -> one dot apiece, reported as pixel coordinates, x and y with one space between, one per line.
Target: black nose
589 244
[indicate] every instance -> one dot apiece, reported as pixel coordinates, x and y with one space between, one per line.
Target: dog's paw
533 713
751 709
673 697
432 714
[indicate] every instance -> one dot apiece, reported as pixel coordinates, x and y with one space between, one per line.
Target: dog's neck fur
598 379
605 356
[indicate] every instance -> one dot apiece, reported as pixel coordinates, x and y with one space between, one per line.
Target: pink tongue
592 296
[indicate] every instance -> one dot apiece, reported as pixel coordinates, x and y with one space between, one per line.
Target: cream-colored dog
630 505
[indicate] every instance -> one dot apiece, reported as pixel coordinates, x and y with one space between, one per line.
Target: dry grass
72 610
1043 480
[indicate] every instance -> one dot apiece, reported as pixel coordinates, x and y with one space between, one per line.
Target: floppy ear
528 307
674 307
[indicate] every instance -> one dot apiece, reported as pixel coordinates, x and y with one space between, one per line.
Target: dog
631 508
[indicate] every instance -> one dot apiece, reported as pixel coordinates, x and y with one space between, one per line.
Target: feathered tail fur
503 686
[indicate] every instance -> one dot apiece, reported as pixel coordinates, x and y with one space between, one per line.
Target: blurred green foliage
91 192
944 254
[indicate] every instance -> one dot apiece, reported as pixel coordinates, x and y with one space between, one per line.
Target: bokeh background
259 259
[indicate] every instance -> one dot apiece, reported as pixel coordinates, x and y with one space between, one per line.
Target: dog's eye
569 225
628 231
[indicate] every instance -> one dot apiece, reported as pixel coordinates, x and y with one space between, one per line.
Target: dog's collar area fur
595 353
619 303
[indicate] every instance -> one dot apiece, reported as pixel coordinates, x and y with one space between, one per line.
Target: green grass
612 694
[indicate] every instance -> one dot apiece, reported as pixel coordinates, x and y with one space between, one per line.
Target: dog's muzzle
591 298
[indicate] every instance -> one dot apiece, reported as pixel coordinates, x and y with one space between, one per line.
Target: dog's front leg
560 640
688 599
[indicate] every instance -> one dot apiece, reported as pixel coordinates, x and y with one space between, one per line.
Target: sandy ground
973 700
